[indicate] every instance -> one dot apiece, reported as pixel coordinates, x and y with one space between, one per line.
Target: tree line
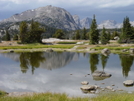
30 32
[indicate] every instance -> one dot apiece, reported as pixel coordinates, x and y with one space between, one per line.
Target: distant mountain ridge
49 15
59 18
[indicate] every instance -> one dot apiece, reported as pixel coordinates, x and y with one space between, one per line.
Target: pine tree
7 37
24 32
59 34
104 36
127 35
94 33
77 35
84 34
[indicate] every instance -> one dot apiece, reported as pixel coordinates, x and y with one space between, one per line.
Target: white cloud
95 3
16 1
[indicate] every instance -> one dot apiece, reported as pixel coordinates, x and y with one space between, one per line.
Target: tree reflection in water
31 59
104 59
126 63
93 60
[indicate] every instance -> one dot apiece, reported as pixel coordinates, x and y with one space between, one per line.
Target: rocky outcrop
128 83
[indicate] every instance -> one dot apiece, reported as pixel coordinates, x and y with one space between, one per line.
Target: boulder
128 83
84 82
101 74
131 50
105 51
79 43
89 87
124 50
49 50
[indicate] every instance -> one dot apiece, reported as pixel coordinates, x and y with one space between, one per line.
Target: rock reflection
47 60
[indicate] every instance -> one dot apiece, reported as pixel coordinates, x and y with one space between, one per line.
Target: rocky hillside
86 22
49 15
111 24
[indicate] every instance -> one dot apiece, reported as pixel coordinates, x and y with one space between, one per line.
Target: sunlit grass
113 96
36 46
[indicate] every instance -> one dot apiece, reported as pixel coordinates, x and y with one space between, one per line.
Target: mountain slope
49 15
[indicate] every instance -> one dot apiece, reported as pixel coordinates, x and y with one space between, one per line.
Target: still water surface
62 72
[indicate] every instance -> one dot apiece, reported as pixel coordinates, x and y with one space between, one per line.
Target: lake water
62 72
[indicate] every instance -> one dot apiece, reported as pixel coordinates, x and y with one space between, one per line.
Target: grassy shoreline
113 96
66 47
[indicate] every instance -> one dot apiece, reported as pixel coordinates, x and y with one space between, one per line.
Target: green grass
64 97
111 47
114 97
66 42
36 46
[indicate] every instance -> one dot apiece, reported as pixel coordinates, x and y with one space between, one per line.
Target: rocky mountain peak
52 16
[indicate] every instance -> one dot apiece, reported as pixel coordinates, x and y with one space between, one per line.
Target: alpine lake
63 72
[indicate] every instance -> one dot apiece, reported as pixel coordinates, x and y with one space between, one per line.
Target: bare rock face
49 15
128 83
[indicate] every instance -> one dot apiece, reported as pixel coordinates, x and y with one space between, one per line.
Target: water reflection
94 60
104 59
126 63
31 59
50 71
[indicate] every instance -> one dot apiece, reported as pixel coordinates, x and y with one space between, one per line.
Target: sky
103 9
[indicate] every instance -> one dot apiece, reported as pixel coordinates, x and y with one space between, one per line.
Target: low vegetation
66 42
63 97
36 46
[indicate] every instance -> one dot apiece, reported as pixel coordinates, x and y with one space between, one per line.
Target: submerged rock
84 82
128 83
101 74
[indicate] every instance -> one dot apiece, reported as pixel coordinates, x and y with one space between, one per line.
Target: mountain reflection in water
50 71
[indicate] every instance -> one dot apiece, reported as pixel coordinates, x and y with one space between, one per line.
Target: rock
11 51
101 74
84 82
124 50
128 83
89 87
131 50
49 50
105 51
109 87
93 49
78 43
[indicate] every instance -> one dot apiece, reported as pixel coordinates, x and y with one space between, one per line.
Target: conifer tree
127 35
84 34
77 35
94 33
23 32
7 37
104 36
59 34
